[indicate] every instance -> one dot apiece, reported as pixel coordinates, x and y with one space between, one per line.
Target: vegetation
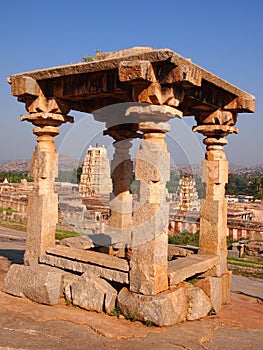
185 238
115 312
9 211
61 234
245 184
91 58
245 262
175 176
14 176
19 226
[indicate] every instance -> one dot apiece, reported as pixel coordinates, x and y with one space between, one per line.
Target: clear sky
224 37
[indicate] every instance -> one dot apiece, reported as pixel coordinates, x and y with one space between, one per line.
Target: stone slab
181 269
77 266
164 309
87 256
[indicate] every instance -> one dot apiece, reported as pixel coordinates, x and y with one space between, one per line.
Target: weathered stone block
136 71
44 284
67 281
41 232
41 284
80 242
199 304
217 289
212 286
164 309
93 293
148 274
226 282
15 280
174 250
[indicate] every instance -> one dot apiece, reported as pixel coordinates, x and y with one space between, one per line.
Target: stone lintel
82 267
181 269
92 257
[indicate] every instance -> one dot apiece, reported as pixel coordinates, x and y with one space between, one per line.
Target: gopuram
135 92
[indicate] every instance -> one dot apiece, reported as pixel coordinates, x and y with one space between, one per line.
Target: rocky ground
26 325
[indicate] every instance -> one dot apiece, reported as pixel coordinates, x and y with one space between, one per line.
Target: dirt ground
26 325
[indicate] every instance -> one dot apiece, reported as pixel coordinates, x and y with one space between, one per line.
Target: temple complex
95 178
135 93
186 195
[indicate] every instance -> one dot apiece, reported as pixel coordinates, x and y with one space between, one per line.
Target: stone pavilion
135 92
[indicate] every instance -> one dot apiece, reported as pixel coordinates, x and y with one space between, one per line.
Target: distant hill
65 163
16 165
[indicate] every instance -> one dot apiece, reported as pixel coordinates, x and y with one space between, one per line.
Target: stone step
88 256
181 269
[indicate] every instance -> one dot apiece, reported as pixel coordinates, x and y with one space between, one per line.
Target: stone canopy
140 74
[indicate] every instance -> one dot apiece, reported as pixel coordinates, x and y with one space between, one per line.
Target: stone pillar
43 201
120 222
148 274
213 216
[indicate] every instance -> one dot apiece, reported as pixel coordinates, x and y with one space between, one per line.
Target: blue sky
224 37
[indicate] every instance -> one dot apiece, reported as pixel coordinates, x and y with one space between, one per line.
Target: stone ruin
146 88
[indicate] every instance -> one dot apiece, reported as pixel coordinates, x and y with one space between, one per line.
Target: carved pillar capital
215 139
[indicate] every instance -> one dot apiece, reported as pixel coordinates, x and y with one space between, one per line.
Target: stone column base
167 308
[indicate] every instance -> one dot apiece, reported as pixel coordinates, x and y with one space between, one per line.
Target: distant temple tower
187 195
95 178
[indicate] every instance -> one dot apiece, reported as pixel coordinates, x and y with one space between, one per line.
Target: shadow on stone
16 256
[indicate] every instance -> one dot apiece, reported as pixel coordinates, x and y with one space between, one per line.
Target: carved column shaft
43 201
149 263
120 221
213 216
